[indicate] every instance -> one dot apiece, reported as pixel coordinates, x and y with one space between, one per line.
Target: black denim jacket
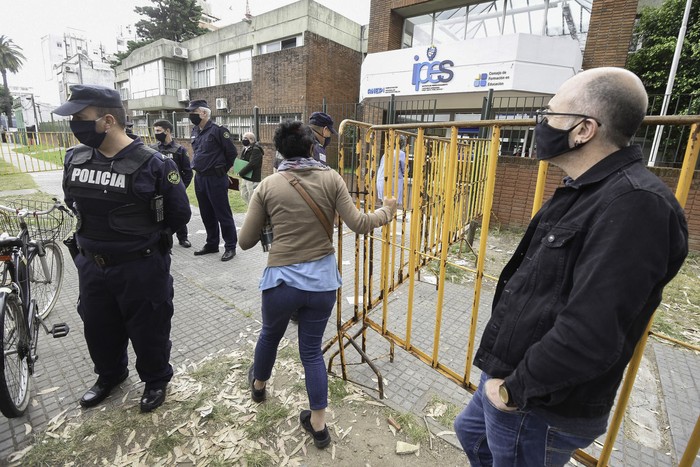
580 289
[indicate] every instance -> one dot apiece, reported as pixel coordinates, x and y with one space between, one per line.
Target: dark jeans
314 309
490 436
212 196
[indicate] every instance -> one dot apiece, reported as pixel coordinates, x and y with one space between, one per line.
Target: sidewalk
216 301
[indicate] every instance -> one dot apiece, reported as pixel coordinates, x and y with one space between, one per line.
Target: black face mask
326 142
195 119
84 131
245 142
553 142
161 137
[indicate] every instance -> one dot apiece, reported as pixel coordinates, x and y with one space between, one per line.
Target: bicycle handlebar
24 212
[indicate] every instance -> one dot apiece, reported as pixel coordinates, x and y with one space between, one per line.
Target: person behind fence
301 273
251 174
398 171
322 126
128 199
214 153
582 285
169 148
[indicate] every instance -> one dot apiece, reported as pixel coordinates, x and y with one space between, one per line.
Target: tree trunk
8 107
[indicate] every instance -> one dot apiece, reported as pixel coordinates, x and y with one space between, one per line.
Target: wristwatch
504 394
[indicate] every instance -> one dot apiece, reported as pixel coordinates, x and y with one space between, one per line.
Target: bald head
614 96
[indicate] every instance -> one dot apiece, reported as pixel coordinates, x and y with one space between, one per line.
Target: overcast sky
27 21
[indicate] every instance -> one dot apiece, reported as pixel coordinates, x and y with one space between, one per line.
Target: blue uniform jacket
574 300
178 154
213 148
157 174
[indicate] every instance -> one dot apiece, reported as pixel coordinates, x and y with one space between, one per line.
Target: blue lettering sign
431 72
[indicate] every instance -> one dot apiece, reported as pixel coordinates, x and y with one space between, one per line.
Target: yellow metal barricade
449 188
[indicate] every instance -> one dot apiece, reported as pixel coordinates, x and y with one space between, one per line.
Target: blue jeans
490 436
314 309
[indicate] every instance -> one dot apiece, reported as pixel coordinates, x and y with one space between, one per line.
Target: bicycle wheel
44 288
15 383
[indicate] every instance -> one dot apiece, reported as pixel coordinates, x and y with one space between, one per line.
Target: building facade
288 62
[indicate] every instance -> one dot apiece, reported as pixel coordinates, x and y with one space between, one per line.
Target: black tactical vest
107 206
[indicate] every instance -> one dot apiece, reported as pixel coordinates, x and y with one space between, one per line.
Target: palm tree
11 59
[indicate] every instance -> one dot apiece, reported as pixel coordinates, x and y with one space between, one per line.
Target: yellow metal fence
450 186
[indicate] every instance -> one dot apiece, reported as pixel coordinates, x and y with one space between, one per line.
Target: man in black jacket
171 149
580 289
252 172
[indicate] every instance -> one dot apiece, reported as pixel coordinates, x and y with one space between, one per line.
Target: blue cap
85 95
194 105
323 120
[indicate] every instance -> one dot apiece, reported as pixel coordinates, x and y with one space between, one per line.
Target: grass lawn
234 199
45 153
14 181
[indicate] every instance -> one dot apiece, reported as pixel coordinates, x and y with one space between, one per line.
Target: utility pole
669 85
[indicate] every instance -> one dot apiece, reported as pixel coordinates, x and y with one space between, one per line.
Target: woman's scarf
298 163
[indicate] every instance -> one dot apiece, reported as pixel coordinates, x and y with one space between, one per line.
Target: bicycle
31 275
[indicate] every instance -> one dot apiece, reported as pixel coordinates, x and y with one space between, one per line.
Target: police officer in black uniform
214 154
166 145
322 126
129 199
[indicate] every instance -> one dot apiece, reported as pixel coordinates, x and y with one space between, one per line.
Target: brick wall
386 26
333 73
516 179
238 94
612 22
280 78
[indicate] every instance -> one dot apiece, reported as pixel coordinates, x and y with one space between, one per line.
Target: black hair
294 139
164 124
118 113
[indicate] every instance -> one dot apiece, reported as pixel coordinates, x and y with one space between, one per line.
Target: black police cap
323 120
194 105
84 95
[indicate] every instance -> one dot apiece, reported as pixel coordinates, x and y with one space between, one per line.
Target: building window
276 119
282 44
145 80
124 90
173 74
204 72
237 67
488 19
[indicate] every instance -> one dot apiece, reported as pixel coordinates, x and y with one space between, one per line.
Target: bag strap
312 204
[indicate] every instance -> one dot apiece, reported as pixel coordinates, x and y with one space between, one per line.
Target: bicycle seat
10 242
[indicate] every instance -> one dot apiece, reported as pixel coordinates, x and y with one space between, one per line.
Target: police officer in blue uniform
214 154
129 199
166 145
322 126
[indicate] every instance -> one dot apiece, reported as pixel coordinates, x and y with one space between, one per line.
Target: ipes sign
432 71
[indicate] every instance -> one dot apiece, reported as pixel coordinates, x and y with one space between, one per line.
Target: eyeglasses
542 115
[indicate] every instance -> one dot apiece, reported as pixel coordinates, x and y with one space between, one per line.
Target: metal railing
450 186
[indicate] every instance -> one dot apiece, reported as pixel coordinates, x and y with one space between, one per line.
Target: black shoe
258 395
321 438
152 399
295 317
100 390
206 250
228 255
185 243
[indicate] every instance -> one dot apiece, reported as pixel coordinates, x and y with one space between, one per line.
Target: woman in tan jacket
301 274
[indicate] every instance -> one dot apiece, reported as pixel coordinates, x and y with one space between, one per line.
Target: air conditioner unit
183 95
221 103
70 69
179 52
